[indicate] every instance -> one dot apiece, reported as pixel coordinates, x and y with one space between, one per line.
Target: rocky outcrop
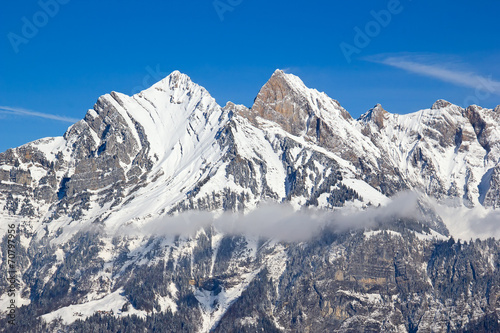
377 115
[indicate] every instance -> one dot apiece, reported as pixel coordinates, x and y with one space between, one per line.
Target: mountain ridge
142 161
136 135
152 127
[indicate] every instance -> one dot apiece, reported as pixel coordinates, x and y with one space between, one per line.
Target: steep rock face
285 100
317 118
304 112
435 150
377 115
485 123
116 150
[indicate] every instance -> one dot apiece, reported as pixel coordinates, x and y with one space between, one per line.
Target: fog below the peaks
282 222
470 223
279 221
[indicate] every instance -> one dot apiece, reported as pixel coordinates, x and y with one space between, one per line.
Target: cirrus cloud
437 68
30 113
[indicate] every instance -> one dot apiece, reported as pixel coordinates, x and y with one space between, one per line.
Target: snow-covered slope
435 150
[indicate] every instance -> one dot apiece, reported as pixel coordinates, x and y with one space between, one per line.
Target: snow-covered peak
176 80
440 104
450 111
173 119
285 100
292 81
173 110
377 115
279 72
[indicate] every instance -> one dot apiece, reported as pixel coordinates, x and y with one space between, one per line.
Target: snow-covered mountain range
171 149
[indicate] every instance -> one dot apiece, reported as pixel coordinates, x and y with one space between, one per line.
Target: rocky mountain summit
102 216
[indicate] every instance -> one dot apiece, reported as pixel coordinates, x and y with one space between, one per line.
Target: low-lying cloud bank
279 221
470 223
282 222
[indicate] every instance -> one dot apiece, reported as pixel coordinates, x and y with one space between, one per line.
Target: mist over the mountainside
279 221
282 222
470 223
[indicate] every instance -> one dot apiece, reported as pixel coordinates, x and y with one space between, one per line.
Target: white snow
403 135
112 302
364 297
49 146
166 303
367 192
371 233
213 306
433 235
276 264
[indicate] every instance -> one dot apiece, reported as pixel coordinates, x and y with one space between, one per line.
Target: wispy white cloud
441 70
466 223
281 222
29 113
278 221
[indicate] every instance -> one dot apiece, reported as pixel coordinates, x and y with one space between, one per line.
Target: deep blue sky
428 50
